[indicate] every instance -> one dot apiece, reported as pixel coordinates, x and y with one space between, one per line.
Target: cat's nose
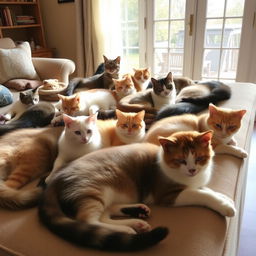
192 171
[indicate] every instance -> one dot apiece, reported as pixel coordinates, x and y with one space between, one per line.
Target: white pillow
17 63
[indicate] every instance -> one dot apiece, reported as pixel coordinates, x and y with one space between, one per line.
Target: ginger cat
224 123
120 181
25 155
141 78
124 86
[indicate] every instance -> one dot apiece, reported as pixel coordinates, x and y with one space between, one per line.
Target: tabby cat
224 123
26 99
103 80
84 134
118 181
38 115
24 155
195 98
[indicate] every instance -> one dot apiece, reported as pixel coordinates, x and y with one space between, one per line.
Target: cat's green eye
77 132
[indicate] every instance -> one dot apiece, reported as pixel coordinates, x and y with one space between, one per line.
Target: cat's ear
205 138
105 58
68 120
93 117
212 109
134 69
241 113
167 143
117 60
169 77
77 97
119 114
153 80
61 97
140 115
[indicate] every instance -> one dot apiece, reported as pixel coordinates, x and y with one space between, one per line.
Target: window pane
161 9
211 63
177 34
177 9
215 8
130 59
229 60
133 34
213 33
132 9
176 61
235 8
161 62
161 34
232 33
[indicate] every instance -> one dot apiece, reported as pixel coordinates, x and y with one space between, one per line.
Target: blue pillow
6 97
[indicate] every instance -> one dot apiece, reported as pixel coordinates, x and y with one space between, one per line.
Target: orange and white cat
85 134
224 123
120 181
141 78
124 86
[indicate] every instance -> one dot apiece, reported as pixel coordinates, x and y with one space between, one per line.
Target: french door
201 39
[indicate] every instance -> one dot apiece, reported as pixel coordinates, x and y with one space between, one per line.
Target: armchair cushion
22 84
17 63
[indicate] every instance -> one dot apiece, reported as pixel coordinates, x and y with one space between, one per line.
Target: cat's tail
219 92
180 108
72 85
93 235
100 69
18 198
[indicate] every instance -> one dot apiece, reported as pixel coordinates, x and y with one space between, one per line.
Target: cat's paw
227 207
140 226
57 121
137 211
240 153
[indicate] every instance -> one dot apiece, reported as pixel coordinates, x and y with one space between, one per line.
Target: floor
247 245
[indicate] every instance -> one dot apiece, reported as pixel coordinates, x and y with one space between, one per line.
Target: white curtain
98 32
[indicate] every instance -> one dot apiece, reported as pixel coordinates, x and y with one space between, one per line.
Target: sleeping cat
26 99
103 80
196 98
117 181
124 86
25 155
84 103
38 115
224 123
84 134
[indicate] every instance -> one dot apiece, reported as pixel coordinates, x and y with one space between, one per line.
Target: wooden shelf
18 3
20 26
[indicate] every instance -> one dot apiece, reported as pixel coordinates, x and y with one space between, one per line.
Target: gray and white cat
118 181
26 99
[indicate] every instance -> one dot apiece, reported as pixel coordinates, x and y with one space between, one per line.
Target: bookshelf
21 20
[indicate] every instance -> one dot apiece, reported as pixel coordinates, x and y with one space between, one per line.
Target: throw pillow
22 84
17 63
6 97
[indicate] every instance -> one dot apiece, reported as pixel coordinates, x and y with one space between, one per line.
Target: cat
26 99
124 86
141 78
224 123
196 98
38 115
25 155
84 103
84 134
80 203
103 80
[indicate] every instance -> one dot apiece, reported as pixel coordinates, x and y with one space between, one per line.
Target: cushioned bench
194 231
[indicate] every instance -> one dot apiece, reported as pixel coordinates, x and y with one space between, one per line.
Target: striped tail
92 235
18 199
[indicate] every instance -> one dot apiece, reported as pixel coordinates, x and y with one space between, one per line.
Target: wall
60 28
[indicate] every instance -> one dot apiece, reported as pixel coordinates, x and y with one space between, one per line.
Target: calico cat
84 134
80 203
196 98
24 155
141 78
103 80
38 115
84 103
26 99
224 123
124 86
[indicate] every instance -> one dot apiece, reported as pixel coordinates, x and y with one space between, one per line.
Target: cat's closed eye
219 126
200 159
180 161
77 132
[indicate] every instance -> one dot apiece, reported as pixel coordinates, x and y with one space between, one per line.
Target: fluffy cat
26 99
103 80
141 78
24 155
84 134
124 86
224 123
85 103
38 115
195 98
118 181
